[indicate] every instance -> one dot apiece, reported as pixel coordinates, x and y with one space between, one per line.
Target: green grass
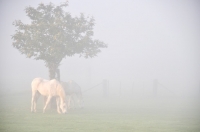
102 115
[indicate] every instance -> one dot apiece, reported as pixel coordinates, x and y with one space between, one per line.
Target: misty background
147 40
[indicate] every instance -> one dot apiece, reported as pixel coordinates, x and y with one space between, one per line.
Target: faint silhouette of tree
54 34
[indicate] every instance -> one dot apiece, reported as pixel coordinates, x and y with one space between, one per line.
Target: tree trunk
58 74
52 75
52 72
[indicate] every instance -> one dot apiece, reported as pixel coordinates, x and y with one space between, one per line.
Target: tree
54 34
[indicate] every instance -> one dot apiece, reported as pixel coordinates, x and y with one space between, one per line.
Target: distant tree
54 34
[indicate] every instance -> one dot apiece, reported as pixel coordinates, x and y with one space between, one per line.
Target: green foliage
54 34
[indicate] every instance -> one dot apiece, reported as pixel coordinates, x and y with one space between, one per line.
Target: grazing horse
49 89
74 93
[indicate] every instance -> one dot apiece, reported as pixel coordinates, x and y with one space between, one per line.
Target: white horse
48 89
74 93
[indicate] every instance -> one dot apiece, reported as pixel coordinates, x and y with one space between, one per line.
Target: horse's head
63 107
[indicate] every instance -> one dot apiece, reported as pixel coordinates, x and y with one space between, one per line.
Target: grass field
102 115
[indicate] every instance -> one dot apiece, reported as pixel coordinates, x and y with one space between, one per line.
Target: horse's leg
80 101
58 104
47 102
32 100
73 102
37 95
69 102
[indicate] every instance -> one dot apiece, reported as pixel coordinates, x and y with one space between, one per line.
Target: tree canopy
54 34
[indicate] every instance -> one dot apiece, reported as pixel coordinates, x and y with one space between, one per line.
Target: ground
102 114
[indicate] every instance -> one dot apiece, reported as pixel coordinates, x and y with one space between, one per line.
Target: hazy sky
147 40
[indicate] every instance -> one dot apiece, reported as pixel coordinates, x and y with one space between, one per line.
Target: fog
147 40
152 66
